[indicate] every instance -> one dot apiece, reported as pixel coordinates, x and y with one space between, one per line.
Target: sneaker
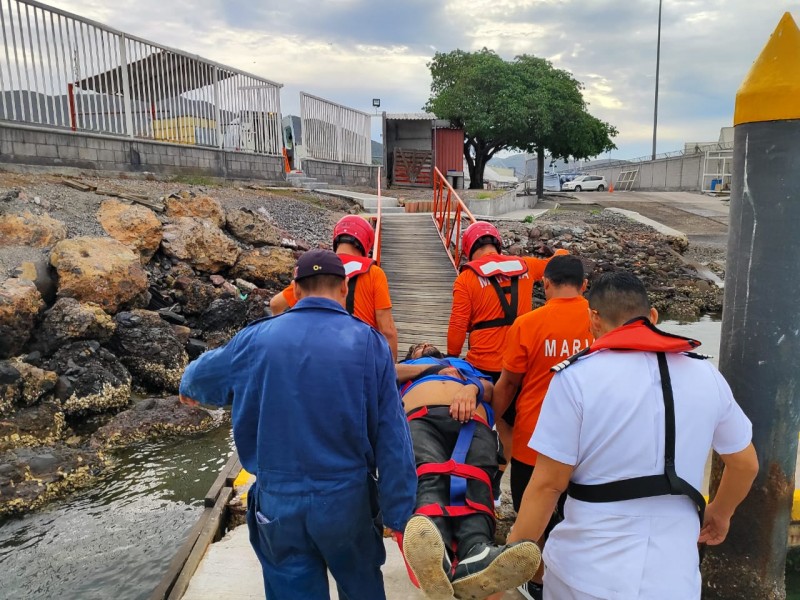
425 554
531 590
488 569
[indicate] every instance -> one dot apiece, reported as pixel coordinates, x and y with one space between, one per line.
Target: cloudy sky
351 51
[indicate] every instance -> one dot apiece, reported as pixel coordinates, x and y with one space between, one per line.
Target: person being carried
449 542
537 341
325 470
367 289
626 428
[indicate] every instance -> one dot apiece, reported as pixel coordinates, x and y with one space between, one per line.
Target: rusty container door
449 149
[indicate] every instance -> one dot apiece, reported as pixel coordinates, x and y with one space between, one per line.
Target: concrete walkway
369 202
230 571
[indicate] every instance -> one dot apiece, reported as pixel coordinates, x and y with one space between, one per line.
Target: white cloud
353 50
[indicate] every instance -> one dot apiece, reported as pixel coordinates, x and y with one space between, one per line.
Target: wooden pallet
420 279
412 168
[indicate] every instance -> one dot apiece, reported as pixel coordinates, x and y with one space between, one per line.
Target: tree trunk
540 173
476 180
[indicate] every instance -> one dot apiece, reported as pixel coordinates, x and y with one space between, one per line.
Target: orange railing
449 212
377 252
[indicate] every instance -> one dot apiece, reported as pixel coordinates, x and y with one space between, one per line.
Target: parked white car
585 183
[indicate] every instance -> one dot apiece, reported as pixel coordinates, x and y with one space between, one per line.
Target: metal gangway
420 273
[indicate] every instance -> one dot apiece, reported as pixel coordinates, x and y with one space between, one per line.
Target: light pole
658 64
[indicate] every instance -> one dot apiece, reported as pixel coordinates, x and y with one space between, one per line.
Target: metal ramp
420 279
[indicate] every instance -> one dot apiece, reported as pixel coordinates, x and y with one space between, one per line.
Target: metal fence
61 70
335 132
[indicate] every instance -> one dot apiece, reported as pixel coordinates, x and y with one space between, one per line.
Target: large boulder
10 387
194 295
70 321
27 229
148 346
134 225
223 319
35 384
200 243
266 266
91 379
20 305
31 477
201 207
253 228
100 270
40 425
154 418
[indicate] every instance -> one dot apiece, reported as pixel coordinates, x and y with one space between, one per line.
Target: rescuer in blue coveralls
317 417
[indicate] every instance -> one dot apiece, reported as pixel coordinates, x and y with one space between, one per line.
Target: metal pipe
658 66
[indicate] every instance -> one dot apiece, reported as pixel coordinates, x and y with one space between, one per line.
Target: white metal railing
335 132
60 70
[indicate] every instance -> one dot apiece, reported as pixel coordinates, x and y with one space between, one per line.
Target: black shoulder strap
509 308
668 483
350 303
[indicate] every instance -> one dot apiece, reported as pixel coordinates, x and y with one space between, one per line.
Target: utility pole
658 66
760 320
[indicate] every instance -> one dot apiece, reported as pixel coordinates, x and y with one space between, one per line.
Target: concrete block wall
345 174
676 174
24 145
500 205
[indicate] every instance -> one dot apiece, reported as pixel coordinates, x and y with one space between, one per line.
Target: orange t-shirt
475 301
372 293
537 341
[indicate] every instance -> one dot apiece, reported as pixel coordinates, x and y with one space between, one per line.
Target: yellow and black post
760 354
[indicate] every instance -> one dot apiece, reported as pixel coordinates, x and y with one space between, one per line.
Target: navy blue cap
318 262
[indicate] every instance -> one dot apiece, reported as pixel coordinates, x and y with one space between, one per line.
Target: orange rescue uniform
535 343
372 293
475 301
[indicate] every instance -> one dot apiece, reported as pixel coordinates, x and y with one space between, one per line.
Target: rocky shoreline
107 298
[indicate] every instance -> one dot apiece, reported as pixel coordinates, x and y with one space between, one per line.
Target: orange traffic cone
611 188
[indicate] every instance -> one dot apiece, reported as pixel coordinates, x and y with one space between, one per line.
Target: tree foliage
525 104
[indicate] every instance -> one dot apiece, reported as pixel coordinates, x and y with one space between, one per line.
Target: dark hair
485 240
431 351
348 239
619 297
319 283
565 270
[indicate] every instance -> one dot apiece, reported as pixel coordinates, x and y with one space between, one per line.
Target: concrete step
384 210
313 185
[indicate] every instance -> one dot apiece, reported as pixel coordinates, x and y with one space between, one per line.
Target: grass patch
528 219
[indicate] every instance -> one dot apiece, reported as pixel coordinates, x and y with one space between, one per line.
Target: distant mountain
377 153
515 161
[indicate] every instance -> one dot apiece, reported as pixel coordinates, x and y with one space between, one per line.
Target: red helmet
356 228
475 232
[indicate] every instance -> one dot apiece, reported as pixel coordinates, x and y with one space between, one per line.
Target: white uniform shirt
605 415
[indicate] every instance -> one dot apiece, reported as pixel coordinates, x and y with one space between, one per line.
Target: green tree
525 104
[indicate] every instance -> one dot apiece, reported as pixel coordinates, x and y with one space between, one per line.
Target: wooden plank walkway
420 279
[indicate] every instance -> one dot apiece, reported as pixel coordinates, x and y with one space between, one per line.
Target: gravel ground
303 215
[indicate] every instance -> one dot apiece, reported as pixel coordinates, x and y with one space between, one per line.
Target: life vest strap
667 483
509 307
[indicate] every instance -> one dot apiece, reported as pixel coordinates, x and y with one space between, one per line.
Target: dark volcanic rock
91 378
32 477
154 418
71 321
148 347
40 425
223 319
35 384
10 386
195 296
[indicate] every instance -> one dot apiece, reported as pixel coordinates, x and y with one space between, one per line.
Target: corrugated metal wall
449 149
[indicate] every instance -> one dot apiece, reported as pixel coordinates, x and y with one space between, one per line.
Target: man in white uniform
636 398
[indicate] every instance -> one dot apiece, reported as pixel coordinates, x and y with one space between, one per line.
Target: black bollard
760 354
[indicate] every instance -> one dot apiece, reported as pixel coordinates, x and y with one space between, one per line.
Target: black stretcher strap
509 308
668 483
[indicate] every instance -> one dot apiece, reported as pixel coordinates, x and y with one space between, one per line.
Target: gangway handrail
377 252
448 213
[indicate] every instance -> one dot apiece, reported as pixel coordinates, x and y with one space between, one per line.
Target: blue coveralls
316 416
